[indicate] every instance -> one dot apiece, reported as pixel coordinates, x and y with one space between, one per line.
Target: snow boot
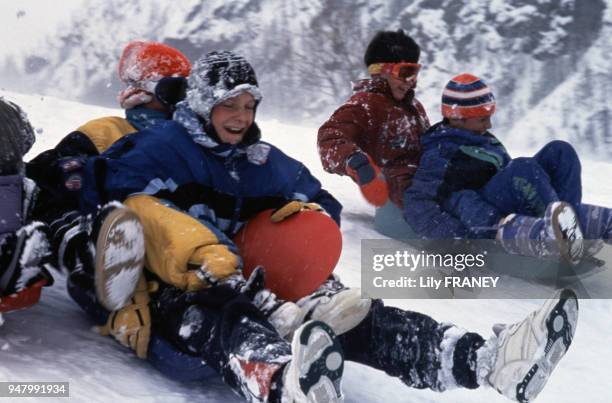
340 307
596 223
557 234
315 372
285 316
70 242
519 360
23 258
119 256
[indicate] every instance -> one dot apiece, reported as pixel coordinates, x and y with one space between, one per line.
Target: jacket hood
441 131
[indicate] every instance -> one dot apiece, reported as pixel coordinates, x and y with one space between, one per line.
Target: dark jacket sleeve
122 170
308 188
422 209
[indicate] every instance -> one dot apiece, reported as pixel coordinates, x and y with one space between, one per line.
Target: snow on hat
218 76
142 65
467 96
17 137
392 47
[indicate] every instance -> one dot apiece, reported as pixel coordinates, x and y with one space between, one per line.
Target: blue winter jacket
221 184
443 201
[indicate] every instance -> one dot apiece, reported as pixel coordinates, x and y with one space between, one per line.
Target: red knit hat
467 96
142 65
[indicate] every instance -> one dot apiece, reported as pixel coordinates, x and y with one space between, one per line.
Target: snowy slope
548 57
53 341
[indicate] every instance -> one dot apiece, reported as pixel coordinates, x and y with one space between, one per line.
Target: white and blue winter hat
218 76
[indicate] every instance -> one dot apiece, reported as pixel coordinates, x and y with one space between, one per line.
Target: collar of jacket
255 150
142 118
442 131
379 85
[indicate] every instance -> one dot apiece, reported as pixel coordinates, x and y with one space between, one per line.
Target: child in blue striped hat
467 186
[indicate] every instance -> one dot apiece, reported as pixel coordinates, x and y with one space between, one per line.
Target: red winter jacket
372 121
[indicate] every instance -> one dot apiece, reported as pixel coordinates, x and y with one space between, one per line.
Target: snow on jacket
373 122
443 201
221 184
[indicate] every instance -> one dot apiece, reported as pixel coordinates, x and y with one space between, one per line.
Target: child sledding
171 197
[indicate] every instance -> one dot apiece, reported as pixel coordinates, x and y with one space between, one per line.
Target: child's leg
522 187
557 234
414 347
561 163
423 353
596 222
234 338
223 328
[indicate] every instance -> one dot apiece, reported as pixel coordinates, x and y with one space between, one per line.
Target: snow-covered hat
218 76
142 65
16 137
392 47
467 96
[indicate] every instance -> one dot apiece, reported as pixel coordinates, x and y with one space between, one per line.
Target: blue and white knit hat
467 96
218 76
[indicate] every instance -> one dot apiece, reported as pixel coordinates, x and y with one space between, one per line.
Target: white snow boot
557 234
520 359
340 307
315 371
285 316
119 257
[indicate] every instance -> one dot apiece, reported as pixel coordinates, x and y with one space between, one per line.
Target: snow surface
53 341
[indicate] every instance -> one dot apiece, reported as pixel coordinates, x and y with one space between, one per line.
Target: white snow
27 23
53 341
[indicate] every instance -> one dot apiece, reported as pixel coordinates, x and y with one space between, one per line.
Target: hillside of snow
546 60
53 341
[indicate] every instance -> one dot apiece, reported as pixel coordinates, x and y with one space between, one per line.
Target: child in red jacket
377 131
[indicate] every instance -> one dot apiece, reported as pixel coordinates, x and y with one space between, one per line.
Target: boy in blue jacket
468 186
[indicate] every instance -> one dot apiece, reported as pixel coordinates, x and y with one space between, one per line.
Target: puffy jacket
90 139
373 122
221 184
443 201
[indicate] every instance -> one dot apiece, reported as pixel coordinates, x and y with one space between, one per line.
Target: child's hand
370 179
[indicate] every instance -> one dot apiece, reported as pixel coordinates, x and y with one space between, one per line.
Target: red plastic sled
22 299
298 253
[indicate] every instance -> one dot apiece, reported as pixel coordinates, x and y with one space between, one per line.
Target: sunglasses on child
401 71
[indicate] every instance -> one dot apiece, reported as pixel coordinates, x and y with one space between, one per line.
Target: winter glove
212 265
291 208
368 176
131 325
